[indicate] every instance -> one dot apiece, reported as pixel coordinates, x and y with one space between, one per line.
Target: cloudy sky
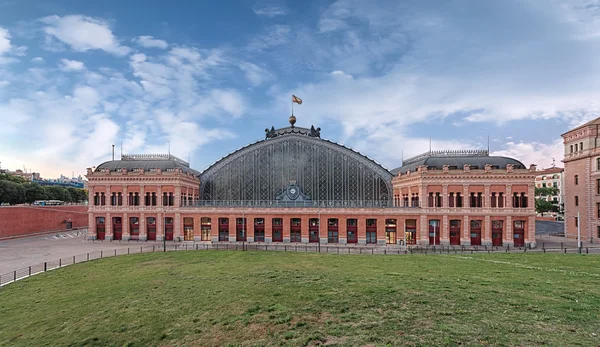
208 77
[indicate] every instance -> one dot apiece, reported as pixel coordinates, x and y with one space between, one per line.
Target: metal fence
302 248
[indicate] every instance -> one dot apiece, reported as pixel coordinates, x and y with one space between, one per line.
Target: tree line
16 190
542 205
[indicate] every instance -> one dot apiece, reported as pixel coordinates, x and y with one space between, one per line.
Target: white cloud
83 33
256 75
274 35
269 10
528 153
71 65
4 41
151 42
4 83
37 60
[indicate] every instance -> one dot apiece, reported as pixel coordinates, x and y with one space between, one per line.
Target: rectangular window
543 185
598 186
493 200
597 163
500 200
598 210
451 200
571 148
576 221
575 147
459 200
581 146
205 229
576 201
277 221
576 179
555 184
371 237
371 222
598 231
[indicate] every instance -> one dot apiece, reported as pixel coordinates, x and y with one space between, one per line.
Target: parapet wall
18 221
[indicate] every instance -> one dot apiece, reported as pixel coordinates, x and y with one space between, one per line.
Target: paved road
23 252
543 227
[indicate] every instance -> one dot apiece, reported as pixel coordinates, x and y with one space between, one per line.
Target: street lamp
319 231
578 233
164 232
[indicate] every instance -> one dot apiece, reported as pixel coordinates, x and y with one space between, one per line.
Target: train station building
296 187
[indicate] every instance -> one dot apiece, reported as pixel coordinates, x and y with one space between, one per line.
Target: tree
11 192
542 206
33 192
546 191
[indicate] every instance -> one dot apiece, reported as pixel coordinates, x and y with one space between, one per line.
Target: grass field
262 298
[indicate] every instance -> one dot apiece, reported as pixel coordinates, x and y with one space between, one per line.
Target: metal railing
276 203
25 272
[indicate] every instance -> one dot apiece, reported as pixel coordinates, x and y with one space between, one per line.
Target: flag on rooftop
296 99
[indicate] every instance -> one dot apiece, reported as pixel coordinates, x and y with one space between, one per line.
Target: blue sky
208 77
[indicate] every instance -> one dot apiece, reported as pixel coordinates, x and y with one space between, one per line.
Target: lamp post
243 231
578 233
319 232
164 232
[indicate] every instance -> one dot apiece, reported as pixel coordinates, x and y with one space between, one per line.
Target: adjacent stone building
295 187
582 180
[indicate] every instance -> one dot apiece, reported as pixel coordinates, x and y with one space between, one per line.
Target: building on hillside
295 187
62 181
552 177
28 176
582 180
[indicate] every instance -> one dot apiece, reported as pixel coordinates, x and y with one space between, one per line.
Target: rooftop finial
292 120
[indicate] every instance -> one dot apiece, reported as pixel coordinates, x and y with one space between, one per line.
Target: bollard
101 254
30 271
186 246
153 249
196 246
587 251
142 249
73 259
45 266
565 251
385 251
127 250
561 245
88 258
60 262
15 275
285 248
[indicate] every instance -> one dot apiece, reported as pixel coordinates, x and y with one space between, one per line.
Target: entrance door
351 230
169 228
313 230
519 233
390 231
497 233
455 232
134 228
188 229
100 228
332 231
434 232
151 228
295 227
117 228
476 233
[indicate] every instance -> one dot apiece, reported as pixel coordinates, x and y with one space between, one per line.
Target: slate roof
458 159
148 162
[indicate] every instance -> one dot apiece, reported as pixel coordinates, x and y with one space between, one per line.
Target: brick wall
25 220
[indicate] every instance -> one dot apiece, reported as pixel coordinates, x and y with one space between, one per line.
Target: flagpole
292 105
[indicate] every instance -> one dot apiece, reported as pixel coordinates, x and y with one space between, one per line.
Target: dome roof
326 171
148 162
477 159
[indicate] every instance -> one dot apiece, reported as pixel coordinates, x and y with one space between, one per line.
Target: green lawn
262 298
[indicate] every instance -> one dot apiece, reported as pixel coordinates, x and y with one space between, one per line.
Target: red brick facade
26 220
493 219
582 180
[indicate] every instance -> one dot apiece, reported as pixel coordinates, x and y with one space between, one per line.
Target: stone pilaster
508 197
486 196
142 199
143 234
109 231
465 238
509 238
445 196
125 227
177 232
486 238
